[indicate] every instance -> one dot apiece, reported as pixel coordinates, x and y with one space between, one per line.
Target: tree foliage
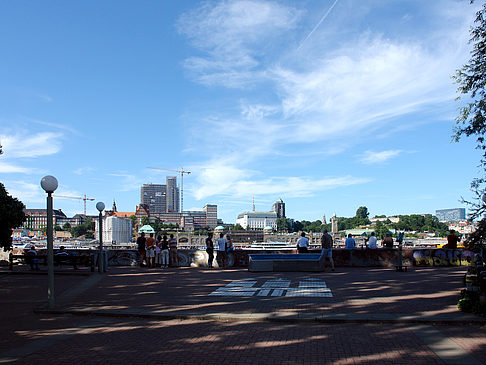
362 213
471 121
86 229
283 224
11 216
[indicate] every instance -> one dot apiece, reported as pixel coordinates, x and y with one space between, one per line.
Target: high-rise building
155 197
451 215
172 192
279 208
211 211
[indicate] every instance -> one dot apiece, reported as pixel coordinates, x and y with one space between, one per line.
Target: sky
329 105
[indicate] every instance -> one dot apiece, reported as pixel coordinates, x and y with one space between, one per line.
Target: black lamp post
100 206
49 184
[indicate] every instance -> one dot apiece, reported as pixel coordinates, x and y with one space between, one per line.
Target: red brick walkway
360 294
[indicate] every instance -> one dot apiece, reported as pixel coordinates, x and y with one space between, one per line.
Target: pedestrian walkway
367 315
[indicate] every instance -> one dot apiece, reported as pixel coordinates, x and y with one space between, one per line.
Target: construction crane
76 197
182 172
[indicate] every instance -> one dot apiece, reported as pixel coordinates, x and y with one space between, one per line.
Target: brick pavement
359 293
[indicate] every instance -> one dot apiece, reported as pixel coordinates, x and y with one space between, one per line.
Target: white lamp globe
49 183
100 206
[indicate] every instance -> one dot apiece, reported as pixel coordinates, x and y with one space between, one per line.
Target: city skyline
328 105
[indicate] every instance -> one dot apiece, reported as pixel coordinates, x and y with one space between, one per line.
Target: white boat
281 246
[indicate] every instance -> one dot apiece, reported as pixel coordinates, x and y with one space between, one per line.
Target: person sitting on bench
63 255
31 258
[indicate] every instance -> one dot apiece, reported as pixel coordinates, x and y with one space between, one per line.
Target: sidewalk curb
269 317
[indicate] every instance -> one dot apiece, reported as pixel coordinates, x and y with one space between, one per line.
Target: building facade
37 218
211 211
155 197
279 208
161 198
451 215
114 230
257 220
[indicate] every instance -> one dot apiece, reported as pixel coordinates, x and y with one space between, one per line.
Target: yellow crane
76 197
182 172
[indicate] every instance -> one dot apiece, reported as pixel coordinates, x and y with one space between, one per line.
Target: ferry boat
280 246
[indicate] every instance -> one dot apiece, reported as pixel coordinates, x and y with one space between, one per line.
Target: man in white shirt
303 244
221 252
372 241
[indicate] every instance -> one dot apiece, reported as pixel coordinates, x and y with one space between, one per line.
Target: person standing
174 259
165 251
350 242
221 254
372 241
303 244
141 248
150 250
210 249
158 252
326 243
452 240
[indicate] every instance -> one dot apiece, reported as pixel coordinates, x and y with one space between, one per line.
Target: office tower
172 193
211 211
154 196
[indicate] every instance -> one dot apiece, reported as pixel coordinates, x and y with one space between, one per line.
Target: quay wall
382 257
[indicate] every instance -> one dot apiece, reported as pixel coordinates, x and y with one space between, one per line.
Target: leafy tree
66 226
471 121
362 212
85 229
145 221
11 216
283 224
237 227
297 226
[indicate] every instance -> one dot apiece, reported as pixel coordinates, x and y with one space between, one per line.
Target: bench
402 267
286 262
73 260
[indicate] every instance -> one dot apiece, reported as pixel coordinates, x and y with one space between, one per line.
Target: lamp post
49 184
100 206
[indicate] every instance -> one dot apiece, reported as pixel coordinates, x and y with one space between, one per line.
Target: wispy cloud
370 157
53 125
229 34
8 168
127 182
323 97
83 170
40 144
27 192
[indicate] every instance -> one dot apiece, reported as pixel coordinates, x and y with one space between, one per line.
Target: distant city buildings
161 198
260 220
451 215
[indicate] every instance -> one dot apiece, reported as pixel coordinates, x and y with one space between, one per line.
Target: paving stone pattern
309 287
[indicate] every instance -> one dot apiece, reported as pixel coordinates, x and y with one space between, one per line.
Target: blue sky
328 105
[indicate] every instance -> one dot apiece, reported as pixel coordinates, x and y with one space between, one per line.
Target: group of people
326 244
223 247
157 253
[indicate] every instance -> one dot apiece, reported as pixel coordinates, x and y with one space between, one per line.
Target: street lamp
100 206
49 184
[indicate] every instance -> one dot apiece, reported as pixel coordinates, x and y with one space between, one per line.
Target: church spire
114 206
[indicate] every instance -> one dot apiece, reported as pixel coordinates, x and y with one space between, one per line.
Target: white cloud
83 170
27 192
228 180
229 34
9 169
319 99
40 144
370 157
